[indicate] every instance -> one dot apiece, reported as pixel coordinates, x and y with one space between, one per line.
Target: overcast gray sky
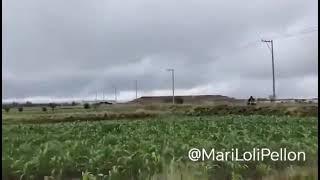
61 50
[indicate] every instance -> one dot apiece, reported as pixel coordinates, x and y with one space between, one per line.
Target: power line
301 32
236 49
255 42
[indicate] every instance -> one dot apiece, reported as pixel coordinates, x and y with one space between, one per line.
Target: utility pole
172 73
273 77
115 94
136 87
102 95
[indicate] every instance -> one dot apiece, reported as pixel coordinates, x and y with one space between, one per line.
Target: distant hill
185 99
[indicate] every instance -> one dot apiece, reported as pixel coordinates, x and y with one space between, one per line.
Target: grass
154 126
152 147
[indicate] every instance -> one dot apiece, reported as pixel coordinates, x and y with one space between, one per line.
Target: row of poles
273 76
136 88
172 76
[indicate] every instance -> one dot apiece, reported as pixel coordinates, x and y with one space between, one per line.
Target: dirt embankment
300 111
190 110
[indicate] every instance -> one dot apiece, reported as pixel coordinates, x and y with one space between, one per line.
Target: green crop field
155 147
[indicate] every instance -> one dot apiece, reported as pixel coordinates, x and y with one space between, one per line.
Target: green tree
86 106
28 103
20 109
52 106
73 103
7 108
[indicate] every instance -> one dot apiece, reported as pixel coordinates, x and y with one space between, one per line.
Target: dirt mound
301 111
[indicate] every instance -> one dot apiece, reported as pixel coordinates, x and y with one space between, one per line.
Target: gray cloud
75 48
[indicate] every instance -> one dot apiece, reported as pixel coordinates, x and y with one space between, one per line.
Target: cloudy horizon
71 50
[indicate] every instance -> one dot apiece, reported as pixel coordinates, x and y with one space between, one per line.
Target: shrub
95 105
86 106
14 104
53 106
29 103
44 109
73 103
7 109
20 109
178 100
